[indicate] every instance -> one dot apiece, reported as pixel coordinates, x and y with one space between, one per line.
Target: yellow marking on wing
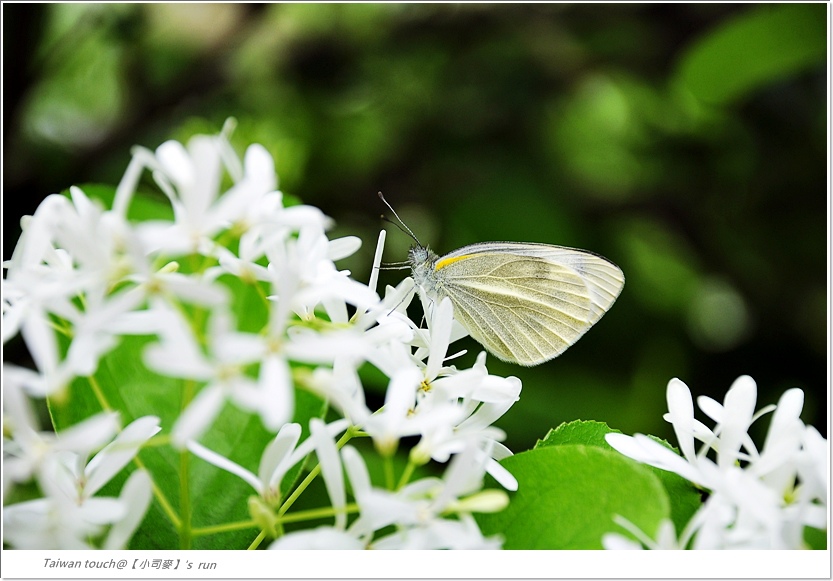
447 261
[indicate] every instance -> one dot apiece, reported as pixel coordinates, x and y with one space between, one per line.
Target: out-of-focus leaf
768 43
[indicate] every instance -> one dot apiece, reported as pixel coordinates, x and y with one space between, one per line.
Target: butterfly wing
528 303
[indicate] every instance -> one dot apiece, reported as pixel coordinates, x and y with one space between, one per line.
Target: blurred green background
685 142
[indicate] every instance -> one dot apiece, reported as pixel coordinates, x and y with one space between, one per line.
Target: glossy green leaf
590 433
684 497
567 497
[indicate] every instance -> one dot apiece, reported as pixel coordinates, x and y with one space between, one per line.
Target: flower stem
389 478
315 513
160 496
99 395
406 475
224 528
184 502
299 490
256 543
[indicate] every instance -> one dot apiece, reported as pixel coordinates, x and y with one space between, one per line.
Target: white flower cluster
68 515
92 276
757 499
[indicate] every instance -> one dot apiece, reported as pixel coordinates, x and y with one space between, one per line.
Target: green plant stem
262 294
99 395
406 475
315 513
299 490
256 543
224 528
160 496
184 480
184 502
389 478
311 476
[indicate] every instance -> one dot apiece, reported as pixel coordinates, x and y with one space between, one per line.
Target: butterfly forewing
528 302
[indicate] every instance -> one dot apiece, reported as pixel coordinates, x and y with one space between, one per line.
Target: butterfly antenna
403 227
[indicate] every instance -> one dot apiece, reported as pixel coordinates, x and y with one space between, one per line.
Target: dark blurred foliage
685 142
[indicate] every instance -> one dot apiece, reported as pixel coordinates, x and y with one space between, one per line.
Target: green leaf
761 46
591 433
567 497
815 538
683 495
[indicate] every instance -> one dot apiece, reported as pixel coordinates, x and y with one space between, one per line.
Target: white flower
82 252
190 177
419 511
68 473
485 398
29 449
281 454
304 276
757 499
178 354
40 280
191 180
115 456
56 522
449 407
69 513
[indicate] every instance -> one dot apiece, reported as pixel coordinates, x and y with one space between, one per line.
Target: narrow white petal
440 336
225 464
739 406
275 392
127 185
102 511
343 247
170 359
712 408
317 348
176 162
41 342
681 411
195 290
89 434
200 413
502 475
788 409
356 472
260 167
277 453
307 446
136 495
645 450
377 261
336 309
329 460
115 456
